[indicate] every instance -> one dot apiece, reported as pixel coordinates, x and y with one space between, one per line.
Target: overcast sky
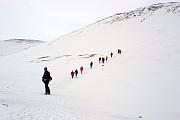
49 19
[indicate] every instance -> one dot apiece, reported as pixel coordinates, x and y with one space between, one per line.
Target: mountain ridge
173 8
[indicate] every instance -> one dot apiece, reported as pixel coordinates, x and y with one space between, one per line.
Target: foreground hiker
46 79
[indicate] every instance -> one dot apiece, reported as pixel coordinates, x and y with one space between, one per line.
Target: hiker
111 54
119 51
106 58
76 72
72 74
46 79
100 60
103 59
91 64
81 69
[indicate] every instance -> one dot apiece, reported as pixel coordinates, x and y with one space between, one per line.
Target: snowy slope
142 81
11 46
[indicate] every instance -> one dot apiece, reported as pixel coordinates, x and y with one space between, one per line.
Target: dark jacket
76 71
46 77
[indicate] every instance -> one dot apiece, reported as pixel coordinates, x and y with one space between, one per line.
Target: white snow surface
141 83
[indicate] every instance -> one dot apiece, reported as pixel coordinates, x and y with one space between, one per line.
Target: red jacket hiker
81 69
72 74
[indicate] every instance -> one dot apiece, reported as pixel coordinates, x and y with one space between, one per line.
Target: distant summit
144 12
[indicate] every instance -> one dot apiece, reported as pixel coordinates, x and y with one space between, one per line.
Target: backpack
50 78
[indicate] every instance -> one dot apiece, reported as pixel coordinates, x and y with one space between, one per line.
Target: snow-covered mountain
12 46
141 83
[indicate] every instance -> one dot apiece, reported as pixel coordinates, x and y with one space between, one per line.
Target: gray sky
49 19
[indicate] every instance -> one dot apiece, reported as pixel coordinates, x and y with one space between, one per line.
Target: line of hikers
101 59
47 77
81 70
76 72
